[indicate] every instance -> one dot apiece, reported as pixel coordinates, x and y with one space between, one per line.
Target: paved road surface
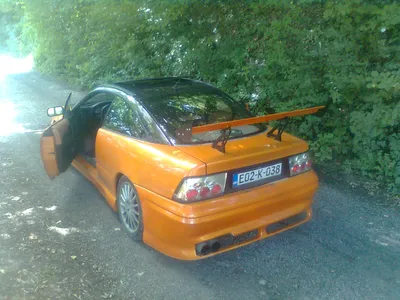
59 239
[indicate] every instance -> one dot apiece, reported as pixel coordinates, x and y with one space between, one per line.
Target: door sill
86 169
90 160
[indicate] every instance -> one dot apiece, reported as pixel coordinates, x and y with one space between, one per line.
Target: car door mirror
55 111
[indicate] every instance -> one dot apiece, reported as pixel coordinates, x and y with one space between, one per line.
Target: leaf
374 74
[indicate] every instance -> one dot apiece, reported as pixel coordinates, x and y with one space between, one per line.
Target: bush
275 55
11 20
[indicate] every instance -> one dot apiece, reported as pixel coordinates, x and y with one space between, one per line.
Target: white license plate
257 174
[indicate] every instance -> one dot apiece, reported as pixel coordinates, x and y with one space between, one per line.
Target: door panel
105 144
57 148
48 153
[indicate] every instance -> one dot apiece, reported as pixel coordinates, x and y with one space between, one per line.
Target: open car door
57 148
58 144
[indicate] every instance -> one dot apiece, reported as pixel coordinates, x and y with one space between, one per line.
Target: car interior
89 119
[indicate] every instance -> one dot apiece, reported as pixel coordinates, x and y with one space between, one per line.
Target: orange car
188 169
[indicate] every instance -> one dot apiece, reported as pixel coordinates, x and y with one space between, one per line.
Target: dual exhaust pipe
208 247
224 241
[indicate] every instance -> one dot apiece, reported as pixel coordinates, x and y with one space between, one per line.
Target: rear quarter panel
158 168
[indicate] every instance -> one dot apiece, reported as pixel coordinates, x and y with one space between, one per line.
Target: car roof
147 89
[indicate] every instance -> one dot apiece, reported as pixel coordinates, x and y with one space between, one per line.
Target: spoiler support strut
280 127
221 141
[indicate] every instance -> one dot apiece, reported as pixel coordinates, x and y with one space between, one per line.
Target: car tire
129 209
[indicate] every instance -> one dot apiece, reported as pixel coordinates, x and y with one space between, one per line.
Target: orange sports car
188 169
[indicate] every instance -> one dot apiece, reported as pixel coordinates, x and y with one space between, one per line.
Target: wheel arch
117 179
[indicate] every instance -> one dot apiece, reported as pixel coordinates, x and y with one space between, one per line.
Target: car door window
122 117
99 97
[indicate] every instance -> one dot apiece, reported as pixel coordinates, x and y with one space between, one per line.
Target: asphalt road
60 240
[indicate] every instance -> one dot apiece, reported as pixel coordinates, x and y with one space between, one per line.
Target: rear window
175 111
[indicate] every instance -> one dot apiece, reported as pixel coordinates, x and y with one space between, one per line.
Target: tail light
200 188
299 163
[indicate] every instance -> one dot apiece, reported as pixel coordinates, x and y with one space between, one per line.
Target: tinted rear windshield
182 108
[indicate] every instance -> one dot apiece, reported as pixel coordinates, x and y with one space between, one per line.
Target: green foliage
276 55
11 23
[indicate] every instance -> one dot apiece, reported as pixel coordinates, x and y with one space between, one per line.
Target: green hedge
276 55
11 22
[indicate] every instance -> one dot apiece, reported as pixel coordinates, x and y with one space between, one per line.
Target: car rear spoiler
221 141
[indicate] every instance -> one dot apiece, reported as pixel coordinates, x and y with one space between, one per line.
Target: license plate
257 174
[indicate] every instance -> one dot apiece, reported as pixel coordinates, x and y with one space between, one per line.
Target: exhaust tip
206 249
216 246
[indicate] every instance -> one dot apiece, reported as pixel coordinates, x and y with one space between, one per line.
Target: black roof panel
147 89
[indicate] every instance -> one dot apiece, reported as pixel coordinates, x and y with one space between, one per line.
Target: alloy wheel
129 207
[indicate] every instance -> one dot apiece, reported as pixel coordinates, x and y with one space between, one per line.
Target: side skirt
90 172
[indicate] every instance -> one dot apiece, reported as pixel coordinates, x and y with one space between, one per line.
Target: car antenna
176 87
176 84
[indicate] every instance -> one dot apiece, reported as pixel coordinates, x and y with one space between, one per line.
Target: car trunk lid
245 152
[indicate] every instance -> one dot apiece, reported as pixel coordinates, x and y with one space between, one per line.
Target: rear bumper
171 230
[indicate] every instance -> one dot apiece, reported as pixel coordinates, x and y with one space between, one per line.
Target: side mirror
55 111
